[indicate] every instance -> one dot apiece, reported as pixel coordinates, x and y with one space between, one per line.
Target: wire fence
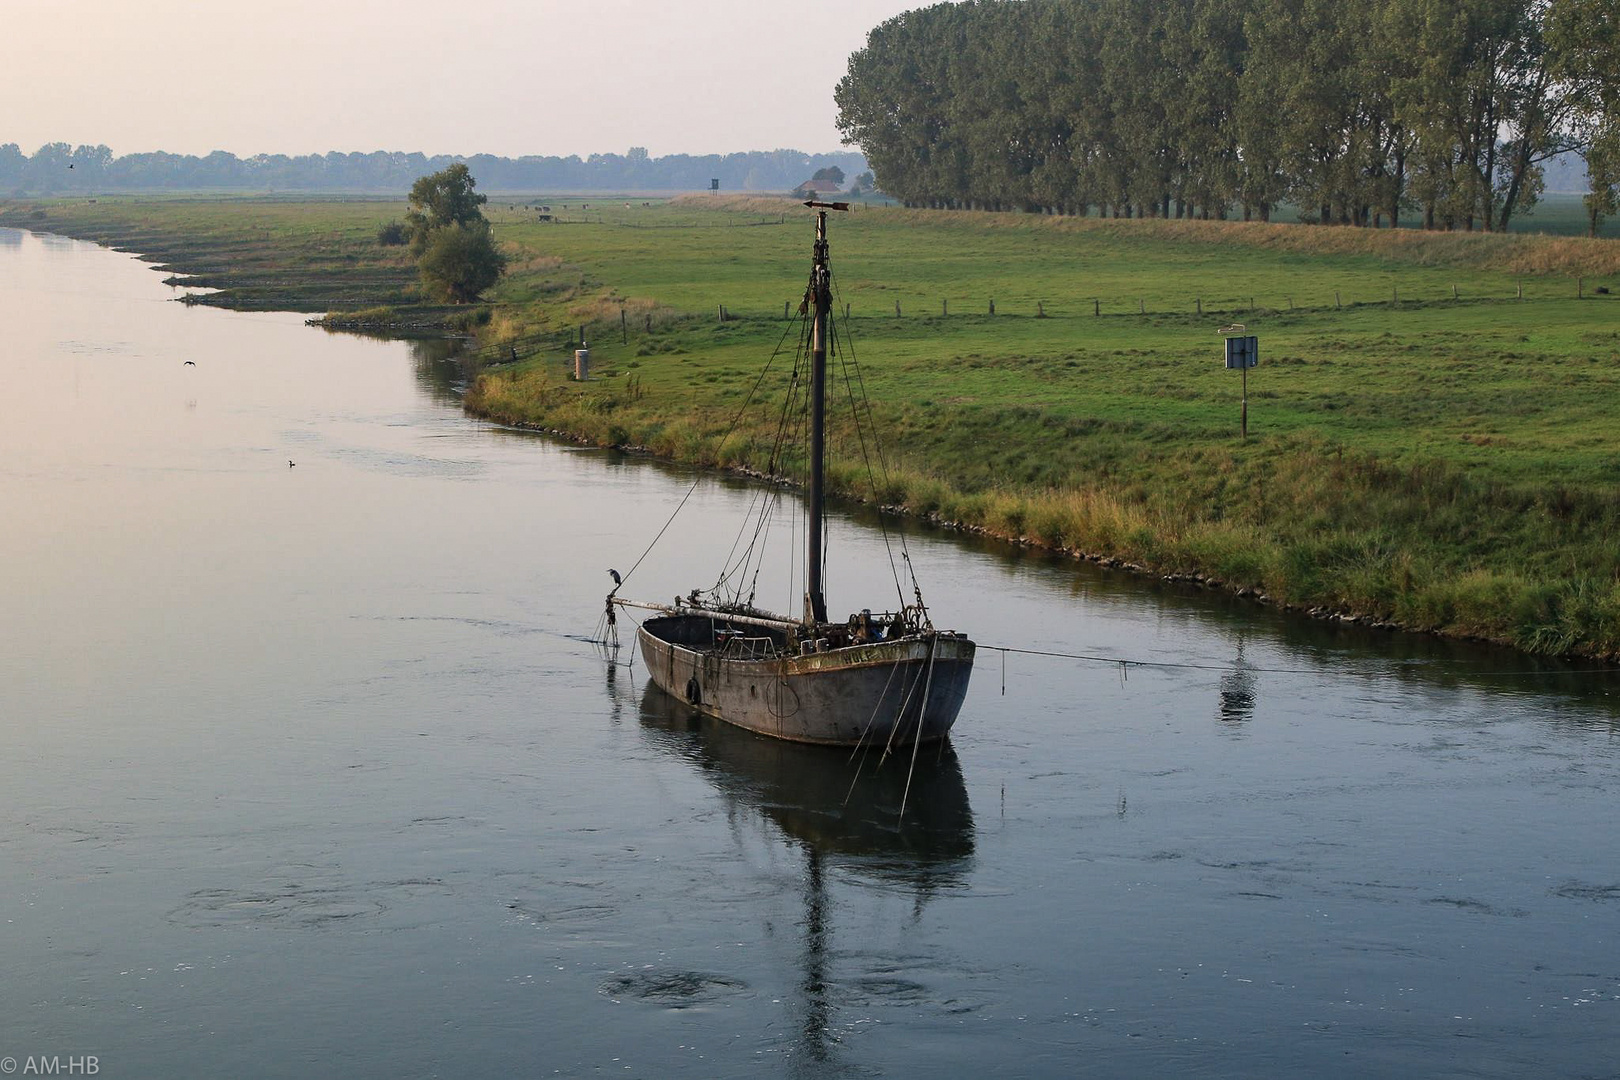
620 328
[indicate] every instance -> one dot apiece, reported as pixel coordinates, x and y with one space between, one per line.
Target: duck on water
879 679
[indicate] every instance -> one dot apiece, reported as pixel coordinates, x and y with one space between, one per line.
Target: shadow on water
839 813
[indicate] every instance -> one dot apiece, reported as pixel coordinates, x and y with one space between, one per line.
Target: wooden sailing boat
876 679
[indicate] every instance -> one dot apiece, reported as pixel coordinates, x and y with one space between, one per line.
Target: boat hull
884 693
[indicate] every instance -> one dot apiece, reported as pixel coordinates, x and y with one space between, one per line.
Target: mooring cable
1126 662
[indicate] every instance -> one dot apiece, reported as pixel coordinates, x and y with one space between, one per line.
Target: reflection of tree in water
813 798
1237 691
444 367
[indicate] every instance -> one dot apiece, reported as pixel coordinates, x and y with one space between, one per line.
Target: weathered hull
903 691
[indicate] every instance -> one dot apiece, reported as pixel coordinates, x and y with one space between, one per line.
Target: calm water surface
307 771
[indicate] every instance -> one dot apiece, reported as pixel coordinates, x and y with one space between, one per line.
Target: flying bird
189 363
291 463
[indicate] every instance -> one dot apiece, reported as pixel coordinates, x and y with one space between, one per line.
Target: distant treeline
58 168
1353 112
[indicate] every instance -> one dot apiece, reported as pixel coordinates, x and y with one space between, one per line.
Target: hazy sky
491 76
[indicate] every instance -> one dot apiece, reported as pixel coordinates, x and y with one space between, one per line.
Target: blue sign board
1242 352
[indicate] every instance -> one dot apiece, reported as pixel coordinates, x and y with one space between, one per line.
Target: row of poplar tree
1353 111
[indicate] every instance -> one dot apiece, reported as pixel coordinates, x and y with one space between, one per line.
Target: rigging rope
860 435
735 420
735 567
767 499
1125 662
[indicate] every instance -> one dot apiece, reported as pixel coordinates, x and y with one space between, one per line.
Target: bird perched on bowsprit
617 580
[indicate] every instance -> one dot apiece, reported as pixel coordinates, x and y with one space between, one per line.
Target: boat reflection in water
841 813
839 805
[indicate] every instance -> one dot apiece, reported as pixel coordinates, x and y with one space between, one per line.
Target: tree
1353 112
440 199
453 243
831 172
1584 38
1603 166
12 163
460 262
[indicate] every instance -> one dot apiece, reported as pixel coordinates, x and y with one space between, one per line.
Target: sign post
1242 352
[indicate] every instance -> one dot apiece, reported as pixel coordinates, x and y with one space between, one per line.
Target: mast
815 602
820 298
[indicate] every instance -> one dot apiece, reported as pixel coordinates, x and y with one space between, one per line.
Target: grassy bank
258 254
1427 448
1434 440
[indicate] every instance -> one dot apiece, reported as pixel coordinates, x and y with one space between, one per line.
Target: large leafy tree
454 245
460 261
1584 38
1353 112
440 199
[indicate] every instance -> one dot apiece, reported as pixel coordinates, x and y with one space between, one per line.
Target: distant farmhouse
816 187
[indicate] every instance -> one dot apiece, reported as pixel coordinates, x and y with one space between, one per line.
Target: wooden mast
815 600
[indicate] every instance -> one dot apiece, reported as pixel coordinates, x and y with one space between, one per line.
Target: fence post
785 304
992 305
897 309
1200 302
624 325
1580 288
944 307
1521 290
1096 306
1141 307
1336 301
1040 309
1454 292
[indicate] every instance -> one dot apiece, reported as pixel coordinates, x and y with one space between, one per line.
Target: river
309 771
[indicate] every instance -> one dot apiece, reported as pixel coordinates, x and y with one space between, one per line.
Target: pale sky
490 76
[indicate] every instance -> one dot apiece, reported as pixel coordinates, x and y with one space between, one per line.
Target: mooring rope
1126 662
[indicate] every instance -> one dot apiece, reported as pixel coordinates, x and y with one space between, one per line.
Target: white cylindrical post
582 364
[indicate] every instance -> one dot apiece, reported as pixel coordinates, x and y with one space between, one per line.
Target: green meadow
1433 430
